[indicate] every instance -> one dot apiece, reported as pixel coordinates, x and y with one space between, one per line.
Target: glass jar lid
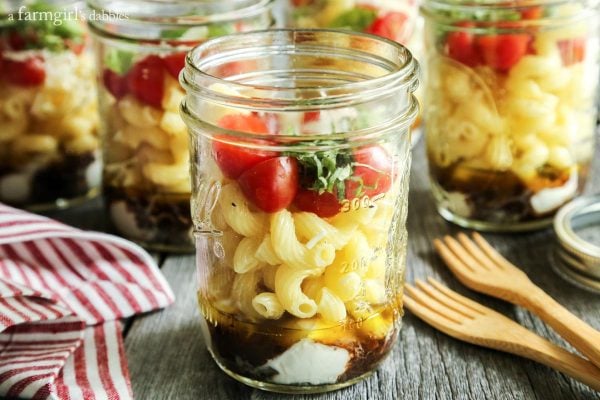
577 227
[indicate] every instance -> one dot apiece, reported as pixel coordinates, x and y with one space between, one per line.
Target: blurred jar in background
140 52
511 108
49 150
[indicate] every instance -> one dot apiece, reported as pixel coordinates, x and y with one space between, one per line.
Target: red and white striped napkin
62 293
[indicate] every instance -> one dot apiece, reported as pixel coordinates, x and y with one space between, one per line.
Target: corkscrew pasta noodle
288 287
236 212
289 249
268 305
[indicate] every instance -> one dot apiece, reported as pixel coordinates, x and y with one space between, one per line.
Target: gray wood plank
168 360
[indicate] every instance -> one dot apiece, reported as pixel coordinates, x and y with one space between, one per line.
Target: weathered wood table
168 359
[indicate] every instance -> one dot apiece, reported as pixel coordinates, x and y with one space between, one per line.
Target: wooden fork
466 320
478 266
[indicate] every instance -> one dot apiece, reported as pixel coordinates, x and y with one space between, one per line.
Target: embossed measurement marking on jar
362 202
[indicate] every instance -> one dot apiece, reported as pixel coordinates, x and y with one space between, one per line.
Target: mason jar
140 51
300 152
511 108
49 150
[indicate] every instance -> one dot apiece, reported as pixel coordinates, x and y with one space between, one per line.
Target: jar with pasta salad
511 108
146 178
300 165
49 150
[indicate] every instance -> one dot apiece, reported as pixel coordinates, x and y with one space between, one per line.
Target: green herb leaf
357 19
173 34
69 29
325 171
119 61
220 30
49 32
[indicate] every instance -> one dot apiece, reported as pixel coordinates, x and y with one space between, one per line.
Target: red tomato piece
572 51
251 123
392 25
372 173
16 41
502 52
114 83
325 205
76 47
460 46
311 116
272 184
532 13
302 3
146 80
234 159
30 72
175 63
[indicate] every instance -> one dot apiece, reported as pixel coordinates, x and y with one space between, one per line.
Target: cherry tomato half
272 184
502 52
175 63
30 72
114 83
325 205
146 80
535 12
372 173
391 26
234 159
460 46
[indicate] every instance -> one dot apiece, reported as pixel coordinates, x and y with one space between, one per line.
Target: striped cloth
62 294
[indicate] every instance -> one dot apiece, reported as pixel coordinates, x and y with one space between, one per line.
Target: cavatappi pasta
148 146
47 130
510 139
308 266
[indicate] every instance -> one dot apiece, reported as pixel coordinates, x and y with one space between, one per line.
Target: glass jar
140 52
49 150
300 163
511 108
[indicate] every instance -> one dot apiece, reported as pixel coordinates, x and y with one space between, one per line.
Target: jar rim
446 11
403 76
176 14
302 143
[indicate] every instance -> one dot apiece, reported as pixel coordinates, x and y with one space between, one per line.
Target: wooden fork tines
480 267
466 320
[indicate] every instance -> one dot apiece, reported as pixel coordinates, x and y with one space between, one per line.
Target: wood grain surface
168 359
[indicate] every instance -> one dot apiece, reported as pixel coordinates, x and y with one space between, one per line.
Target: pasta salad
146 153
511 114
303 254
48 123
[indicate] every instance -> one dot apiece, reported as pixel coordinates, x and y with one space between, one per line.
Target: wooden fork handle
538 349
577 332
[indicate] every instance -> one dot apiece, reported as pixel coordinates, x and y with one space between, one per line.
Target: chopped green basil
118 61
69 30
173 34
220 30
357 19
325 171
46 33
